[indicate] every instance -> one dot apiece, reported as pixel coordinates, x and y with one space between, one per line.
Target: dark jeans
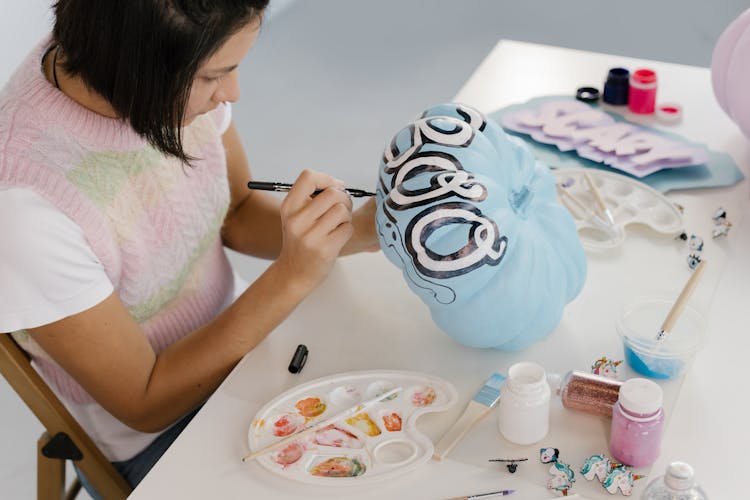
135 469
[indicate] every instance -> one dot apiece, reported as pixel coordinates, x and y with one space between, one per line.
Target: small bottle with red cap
642 91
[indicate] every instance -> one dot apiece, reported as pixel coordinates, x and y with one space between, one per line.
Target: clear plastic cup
638 326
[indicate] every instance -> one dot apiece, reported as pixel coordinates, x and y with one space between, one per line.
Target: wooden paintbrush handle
473 412
682 300
595 192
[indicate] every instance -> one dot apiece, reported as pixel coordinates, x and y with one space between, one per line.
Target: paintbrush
603 208
485 495
324 423
485 399
591 215
283 187
680 303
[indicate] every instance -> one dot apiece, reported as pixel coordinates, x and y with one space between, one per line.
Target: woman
122 177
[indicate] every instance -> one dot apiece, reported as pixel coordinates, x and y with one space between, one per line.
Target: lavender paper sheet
717 169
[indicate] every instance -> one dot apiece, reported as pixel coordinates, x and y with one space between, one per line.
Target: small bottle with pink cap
637 423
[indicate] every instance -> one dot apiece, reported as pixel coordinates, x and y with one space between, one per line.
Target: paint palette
377 443
630 202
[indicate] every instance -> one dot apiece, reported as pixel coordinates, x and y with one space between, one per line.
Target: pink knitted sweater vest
153 222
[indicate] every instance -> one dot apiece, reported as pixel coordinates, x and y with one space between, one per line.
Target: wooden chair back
62 430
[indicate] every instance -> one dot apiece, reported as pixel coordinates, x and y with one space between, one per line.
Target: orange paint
339 467
392 422
310 407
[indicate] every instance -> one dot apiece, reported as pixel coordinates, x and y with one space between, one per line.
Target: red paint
642 91
644 76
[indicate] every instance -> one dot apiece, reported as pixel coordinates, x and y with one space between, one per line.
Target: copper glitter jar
588 392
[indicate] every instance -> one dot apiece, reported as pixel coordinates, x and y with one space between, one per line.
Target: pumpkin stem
520 200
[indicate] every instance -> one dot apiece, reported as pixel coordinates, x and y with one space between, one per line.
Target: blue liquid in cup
650 366
638 326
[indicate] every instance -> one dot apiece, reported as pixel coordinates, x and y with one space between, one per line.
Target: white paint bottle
524 404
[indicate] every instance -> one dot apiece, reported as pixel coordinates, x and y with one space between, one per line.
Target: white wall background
22 24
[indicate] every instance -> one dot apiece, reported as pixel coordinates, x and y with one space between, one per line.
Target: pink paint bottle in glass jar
637 423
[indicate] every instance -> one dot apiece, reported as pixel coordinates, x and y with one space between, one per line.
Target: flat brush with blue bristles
485 399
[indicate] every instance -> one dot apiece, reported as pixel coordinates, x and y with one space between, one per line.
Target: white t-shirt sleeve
47 268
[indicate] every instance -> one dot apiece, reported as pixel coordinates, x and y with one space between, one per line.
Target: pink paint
287 424
637 423
289 454
423 396
336 437
642 92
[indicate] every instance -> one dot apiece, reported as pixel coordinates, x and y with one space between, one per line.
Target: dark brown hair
142 55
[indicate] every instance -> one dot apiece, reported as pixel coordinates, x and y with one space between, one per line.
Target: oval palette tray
377 443
629 201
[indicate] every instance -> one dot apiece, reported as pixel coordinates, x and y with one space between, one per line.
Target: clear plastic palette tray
377 443
630 202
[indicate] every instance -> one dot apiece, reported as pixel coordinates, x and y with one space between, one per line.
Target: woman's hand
364 238
314 228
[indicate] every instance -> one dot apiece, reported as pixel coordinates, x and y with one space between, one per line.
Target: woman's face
216 80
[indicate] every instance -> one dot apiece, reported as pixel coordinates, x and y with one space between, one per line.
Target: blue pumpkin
472 220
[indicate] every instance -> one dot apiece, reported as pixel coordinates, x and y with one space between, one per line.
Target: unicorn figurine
598 466
621 478
605 367
562 478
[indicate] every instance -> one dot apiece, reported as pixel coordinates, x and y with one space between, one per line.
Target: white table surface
364 317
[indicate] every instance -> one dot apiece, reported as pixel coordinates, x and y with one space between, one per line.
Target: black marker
283 187
298 360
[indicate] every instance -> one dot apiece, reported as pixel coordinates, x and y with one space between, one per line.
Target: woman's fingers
318 214
305 186
315 227
325 200
336 216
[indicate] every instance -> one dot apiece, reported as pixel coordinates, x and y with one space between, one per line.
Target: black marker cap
299 358
587 94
